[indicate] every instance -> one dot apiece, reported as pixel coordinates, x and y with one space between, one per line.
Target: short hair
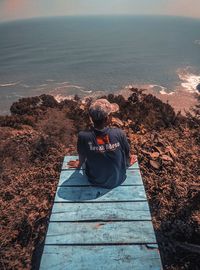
100 121
101 108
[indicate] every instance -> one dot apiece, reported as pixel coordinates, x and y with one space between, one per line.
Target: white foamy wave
25 85
42 85
62 83
189 79
74 86
162 90
60 97
9 84
66 84
86 91
71 86
197 42
155 87
50 80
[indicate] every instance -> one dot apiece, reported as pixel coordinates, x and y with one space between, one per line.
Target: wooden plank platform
78 178
103 211
97 194
135 257
96 228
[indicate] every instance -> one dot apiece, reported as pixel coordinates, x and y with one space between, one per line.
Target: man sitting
104 150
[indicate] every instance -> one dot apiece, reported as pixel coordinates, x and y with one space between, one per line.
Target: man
104 150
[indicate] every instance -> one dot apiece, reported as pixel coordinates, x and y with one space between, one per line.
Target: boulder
198 87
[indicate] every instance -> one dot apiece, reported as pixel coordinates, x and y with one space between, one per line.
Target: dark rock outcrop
198 87
31 105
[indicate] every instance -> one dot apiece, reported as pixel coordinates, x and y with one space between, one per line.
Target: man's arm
130 159
76 163
133 159
81 152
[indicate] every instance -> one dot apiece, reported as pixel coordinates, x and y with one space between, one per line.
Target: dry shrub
168 149
56 125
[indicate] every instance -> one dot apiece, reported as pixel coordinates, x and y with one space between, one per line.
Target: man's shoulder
110 130
116 130
85 134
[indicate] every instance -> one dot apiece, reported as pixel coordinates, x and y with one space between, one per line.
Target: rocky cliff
40 131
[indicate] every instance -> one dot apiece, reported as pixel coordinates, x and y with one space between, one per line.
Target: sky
21 9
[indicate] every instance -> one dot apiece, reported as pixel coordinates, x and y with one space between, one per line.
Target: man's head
100 110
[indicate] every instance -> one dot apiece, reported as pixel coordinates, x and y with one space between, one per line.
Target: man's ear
109 119
91 120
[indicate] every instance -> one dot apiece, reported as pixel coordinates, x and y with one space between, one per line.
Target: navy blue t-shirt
106 155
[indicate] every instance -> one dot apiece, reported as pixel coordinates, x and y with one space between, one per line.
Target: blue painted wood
129 232
96 228
68 158
100 211
136 257
97 194
78 178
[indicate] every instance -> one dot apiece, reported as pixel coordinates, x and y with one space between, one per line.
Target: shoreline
181 97
181 100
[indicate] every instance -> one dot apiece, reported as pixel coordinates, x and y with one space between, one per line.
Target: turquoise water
68 55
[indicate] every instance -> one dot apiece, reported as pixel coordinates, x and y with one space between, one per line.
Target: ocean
92 55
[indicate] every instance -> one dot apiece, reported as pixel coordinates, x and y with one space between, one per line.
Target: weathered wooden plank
136 257
116 232
100 211
78 178
100 233
68 158
98 194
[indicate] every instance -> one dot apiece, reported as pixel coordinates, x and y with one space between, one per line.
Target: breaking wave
190 79
9 84
162 90
155 87
197 42
60 97
64 90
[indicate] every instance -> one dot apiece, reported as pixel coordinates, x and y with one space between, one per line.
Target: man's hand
133 159
74 164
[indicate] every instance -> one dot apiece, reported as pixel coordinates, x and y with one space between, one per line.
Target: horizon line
99 15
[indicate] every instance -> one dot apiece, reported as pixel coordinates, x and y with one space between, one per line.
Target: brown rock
155 164
166 158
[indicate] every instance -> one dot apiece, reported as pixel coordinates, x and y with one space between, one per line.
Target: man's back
106 152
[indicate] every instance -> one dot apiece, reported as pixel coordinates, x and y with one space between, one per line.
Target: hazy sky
18 9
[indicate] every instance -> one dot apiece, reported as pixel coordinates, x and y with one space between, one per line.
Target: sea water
64 56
